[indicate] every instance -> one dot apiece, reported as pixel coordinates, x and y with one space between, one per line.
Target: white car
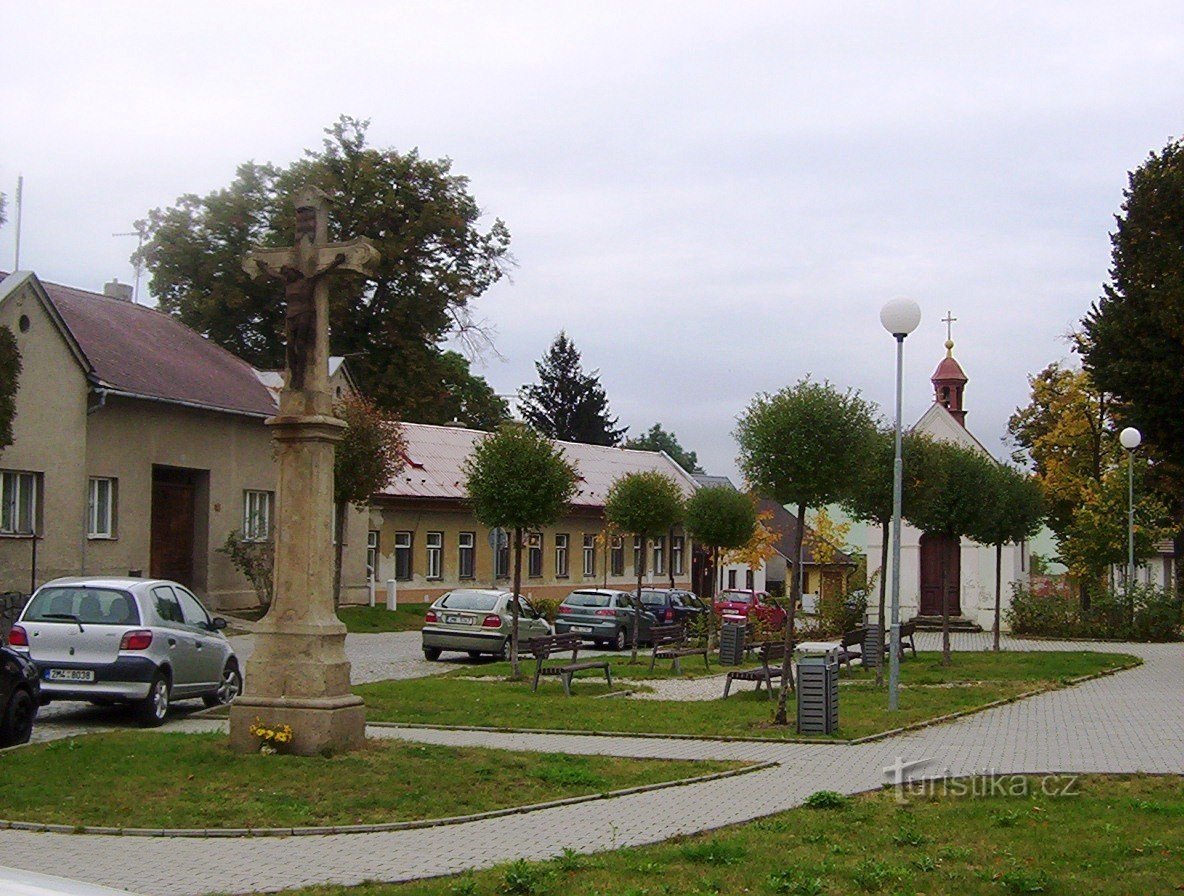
15 882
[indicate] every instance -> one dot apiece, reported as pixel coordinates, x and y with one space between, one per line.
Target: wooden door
933 547
172 537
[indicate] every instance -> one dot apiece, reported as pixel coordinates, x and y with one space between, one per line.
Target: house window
372 555
637 558
561 556
618 556
403 556
534 554
731 578
18 503
660 556
466 556
257 515
435 542
100 517
749 580
501 560
676 549
589 555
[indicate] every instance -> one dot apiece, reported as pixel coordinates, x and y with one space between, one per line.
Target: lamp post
1130 438
899 317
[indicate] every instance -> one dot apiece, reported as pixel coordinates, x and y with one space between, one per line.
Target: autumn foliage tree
370 453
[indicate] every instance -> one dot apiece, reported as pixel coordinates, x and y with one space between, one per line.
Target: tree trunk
515 671
637 601
795 594
945 602
998 592
883 596
338 551
709 568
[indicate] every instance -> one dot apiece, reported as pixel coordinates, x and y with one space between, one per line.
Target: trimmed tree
10 371
1012 511
518 480
799 447
645 505
370 453
720 519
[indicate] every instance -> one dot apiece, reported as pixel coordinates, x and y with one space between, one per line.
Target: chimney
117 290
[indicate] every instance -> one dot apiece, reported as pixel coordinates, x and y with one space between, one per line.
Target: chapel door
933 547
174 506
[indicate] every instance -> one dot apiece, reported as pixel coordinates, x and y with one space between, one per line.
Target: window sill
19 536
102 537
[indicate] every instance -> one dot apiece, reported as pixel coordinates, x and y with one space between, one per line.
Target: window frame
659 551
373 540
434 551
617 556
471 549
20 496
677 549
638 557
589 555
96 528
534 555
562 542
251 500
404 558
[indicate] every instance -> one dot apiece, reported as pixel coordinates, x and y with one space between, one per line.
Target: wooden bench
771 656
852 639
907 630
670 643
543 647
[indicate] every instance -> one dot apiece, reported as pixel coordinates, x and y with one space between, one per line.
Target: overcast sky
712 199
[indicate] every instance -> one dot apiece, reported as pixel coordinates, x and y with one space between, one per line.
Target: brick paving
1132 721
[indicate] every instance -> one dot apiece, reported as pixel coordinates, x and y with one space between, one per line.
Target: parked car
145 642
735 602
18 882
672 604
478 621
20 695
604 617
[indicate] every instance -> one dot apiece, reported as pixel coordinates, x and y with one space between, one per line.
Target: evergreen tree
658 439
568 404
10 369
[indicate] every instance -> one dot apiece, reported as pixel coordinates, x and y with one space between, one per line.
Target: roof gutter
103 391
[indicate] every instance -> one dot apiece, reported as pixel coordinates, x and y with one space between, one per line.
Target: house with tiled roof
139 446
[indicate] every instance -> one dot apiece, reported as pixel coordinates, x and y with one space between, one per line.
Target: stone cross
298 674
303 269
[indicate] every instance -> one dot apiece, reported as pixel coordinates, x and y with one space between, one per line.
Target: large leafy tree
436 260
646 505
370 452
568 404
799 447
518 480
1133 343
10 371
721 519
658 439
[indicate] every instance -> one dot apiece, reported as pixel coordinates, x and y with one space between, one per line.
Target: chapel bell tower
949 380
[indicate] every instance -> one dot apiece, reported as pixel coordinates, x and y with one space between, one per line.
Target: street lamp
899 317
1130 439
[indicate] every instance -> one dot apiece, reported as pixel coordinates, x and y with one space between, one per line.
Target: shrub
522 878
1148 613
255 560
547 608
826 799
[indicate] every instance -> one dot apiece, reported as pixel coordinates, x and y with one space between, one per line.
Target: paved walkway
1133 721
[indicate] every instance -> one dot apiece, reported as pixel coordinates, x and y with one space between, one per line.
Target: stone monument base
319 725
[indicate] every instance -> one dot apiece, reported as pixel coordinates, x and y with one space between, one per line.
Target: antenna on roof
141 231
20 189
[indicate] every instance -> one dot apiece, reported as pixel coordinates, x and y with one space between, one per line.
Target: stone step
957 624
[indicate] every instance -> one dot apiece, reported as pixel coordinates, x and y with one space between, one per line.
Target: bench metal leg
769 689
677 667
608 676
535 686
653 659
727 686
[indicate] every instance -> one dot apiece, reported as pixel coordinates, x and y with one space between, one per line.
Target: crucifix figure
303 268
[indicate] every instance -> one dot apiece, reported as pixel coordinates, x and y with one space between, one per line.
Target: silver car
477 621
140 641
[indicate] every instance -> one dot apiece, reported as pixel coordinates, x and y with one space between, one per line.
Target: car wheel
503 652
16 725
431 654
229 687
151 711
621 640
474 654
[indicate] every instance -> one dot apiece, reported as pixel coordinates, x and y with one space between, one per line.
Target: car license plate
459 620
582 629
69 675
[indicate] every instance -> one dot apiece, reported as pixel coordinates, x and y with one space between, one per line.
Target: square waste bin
818 690
733 636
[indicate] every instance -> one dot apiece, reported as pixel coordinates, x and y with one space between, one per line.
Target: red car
734 602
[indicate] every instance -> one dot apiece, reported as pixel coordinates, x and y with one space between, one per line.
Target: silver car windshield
469 600
92 606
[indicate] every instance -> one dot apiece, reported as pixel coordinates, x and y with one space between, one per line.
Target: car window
195 614
736 597
469 600
165 603
588 599
653 598
96 606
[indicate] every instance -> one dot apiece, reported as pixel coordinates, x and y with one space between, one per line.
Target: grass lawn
151 779
692 667
928 691
1119 835
368 620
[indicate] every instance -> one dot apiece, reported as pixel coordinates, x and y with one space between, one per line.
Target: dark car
602 616
20 695
672 604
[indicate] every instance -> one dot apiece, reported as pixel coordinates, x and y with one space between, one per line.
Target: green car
477 621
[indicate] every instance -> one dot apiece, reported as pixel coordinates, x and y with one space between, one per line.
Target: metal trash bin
873 645
818 690
733 637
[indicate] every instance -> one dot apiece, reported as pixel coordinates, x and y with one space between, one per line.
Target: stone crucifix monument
298 674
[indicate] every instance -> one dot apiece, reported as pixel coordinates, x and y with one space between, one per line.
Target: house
819 579
425 539
139 446
971 582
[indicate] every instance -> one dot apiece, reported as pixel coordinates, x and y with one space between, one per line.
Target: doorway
933 548
177 495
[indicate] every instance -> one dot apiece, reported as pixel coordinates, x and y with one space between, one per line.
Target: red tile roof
149 354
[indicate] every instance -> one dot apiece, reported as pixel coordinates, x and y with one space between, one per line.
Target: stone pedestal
298 674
